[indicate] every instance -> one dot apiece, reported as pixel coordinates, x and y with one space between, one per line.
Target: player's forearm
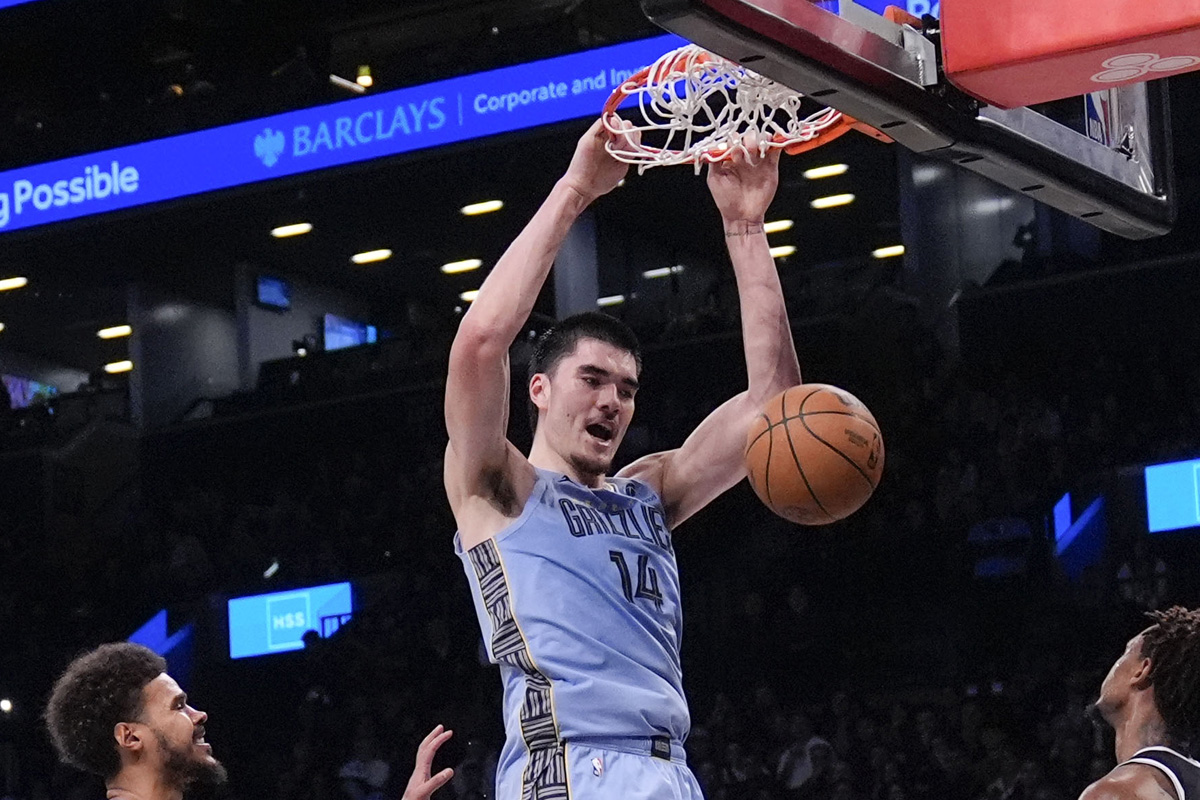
507 296
771 362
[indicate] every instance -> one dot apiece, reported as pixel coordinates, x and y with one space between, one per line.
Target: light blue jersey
578 601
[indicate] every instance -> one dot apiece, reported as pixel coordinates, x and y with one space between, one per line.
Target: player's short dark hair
559 342
98 690
1173 647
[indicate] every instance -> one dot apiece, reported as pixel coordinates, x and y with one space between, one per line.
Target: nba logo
598 767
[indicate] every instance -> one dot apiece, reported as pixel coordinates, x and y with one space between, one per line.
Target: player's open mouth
601 431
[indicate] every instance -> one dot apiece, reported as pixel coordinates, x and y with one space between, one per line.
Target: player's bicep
710 462
476 405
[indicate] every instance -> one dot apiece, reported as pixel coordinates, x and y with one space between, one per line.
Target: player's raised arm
743 191
477 384
711 460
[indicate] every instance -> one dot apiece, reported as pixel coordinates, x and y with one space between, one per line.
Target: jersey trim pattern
545 775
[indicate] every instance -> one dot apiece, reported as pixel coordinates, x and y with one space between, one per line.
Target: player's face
178 735
1118 684
588 402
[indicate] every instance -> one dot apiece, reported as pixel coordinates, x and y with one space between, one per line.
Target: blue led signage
917 8
276 622
1173 496
400 121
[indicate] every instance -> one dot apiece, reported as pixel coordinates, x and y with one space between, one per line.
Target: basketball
815 454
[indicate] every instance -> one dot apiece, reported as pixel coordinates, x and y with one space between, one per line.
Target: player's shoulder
1130 782
648 469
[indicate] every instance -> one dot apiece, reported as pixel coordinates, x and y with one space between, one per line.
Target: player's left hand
421 785
743 185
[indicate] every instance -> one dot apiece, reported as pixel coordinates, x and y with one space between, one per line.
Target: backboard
889 76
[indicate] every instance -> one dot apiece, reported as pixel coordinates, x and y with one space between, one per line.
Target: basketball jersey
1183 772
578 601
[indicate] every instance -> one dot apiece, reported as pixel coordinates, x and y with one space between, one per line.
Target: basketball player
116 713
573 572
1151 698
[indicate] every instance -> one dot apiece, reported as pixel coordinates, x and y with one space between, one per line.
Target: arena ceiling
82 75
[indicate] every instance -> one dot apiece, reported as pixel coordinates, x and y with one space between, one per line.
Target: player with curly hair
116 713
1151 698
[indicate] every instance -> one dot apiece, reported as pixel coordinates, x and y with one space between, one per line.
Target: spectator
365 774
796 768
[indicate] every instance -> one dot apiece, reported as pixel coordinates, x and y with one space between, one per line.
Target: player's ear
539 390
127 736
1141 678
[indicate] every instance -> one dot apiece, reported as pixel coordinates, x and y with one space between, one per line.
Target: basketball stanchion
912 78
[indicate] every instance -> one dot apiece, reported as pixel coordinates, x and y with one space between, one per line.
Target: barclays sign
375 126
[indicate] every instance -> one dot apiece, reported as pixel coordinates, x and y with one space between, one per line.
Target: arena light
1 327
778 226
484 207
115 332
469 296
270 571
8 284
783 250
830 171
371 255
117 367
295 229
888 252
611 300
832 201
466 265
6 705
364 78
663 272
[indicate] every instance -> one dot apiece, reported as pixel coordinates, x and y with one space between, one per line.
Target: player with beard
116 713
1151 698
573 572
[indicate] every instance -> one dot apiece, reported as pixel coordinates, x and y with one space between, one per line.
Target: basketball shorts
606 769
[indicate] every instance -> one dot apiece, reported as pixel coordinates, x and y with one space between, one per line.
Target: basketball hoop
705 105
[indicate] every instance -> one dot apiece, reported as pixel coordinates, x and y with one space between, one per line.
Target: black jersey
1183 772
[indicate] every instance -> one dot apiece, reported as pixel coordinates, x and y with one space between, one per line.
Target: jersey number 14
647 582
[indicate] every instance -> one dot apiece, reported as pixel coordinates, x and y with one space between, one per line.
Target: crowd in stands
871 660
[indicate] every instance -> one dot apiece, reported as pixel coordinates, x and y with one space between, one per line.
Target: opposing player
573 572
1151 698
116 713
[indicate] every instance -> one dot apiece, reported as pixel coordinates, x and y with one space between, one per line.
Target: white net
696 107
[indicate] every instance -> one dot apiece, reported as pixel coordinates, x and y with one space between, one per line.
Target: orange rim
844 125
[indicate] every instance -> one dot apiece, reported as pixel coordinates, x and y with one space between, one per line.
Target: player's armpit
487 479
710 462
